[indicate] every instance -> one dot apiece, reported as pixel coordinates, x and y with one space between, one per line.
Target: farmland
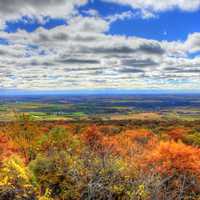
106 107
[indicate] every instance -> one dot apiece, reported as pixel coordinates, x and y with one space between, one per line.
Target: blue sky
99 44
171 25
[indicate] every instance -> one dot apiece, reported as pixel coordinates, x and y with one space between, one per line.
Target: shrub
59 139
16 181
60 173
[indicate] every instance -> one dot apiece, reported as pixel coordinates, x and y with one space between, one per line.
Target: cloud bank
160 6
38 9
83 55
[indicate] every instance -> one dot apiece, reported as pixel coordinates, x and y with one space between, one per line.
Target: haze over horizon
99 46
102 92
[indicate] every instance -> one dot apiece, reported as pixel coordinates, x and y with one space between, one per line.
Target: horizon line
16 92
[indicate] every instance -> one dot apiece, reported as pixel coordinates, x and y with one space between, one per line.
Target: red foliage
45 129
100 143
136 143
177 133
111 145
140 135
130 145
6 148
171 157
93 137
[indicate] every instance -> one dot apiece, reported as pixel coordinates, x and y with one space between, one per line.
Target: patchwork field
113 107
100 147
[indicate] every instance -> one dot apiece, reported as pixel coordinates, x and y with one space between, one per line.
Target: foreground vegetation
117 160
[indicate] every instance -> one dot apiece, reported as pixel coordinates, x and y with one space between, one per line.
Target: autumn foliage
177 133
168 158
7 148
57 161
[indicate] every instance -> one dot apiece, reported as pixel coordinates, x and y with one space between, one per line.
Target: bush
16 181
60 173
59 139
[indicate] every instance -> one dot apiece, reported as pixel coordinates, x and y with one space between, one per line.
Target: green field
69 111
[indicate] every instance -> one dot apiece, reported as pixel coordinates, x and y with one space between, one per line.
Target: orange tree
177 133
178 165
24 134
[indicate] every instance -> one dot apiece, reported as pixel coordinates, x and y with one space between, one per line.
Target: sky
64 45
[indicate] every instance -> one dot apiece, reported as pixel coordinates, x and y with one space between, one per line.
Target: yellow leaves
13 171
66 165
117 189
120 165
192 139
22 173
47 195
141 192
4 181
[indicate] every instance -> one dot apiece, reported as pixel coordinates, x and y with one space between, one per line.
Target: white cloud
83 55
121 16
15 9
159 6
91 12
150 7
193 42
88 24
126 15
